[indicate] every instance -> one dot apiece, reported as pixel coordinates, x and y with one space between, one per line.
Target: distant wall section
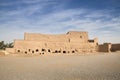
115 47
106 47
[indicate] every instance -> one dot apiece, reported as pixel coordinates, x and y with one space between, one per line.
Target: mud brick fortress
71 42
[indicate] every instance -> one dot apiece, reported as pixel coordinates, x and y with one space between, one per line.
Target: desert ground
99 66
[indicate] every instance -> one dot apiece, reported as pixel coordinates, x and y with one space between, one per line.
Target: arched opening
43 49
48 50
37 50
29 50
64 51
25 52
80 36
32 51
56 51
59 51
18 51
73 51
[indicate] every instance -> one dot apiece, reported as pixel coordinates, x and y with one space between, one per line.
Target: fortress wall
71 36
46 37
71 42
32 44
78 36
25 46
106 47
115 47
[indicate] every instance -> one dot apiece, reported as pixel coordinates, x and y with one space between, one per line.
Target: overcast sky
101 18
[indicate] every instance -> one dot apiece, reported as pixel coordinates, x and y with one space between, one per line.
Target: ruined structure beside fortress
71 42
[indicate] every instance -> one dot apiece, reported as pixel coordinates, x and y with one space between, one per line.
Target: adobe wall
71 42
80 37
115 47
106 47
25 46
71 36
10 50
3 53
45 37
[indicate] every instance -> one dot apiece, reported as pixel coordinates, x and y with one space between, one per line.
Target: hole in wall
80 36
43 49
73 51
25 52
56 51
59 51
18 51
37 50
32 51
64 51
48 50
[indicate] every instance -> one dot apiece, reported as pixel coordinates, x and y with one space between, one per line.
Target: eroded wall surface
71 42
115 47
106 47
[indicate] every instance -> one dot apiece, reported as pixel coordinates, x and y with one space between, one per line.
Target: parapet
77 32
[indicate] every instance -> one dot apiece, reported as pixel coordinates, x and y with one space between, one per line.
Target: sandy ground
103 66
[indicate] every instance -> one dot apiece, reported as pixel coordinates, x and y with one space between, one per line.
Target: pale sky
100 18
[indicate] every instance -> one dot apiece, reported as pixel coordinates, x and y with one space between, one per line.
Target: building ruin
71 42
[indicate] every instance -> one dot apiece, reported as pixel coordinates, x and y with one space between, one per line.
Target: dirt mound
2 53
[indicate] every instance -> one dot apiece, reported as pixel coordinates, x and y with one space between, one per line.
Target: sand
102 66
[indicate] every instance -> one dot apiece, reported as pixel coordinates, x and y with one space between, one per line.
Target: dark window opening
48 50
18 50
37 50
64 51
80 36
32 51
43 49
25 52
73 51
56 51
29 50
59 51
91 41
